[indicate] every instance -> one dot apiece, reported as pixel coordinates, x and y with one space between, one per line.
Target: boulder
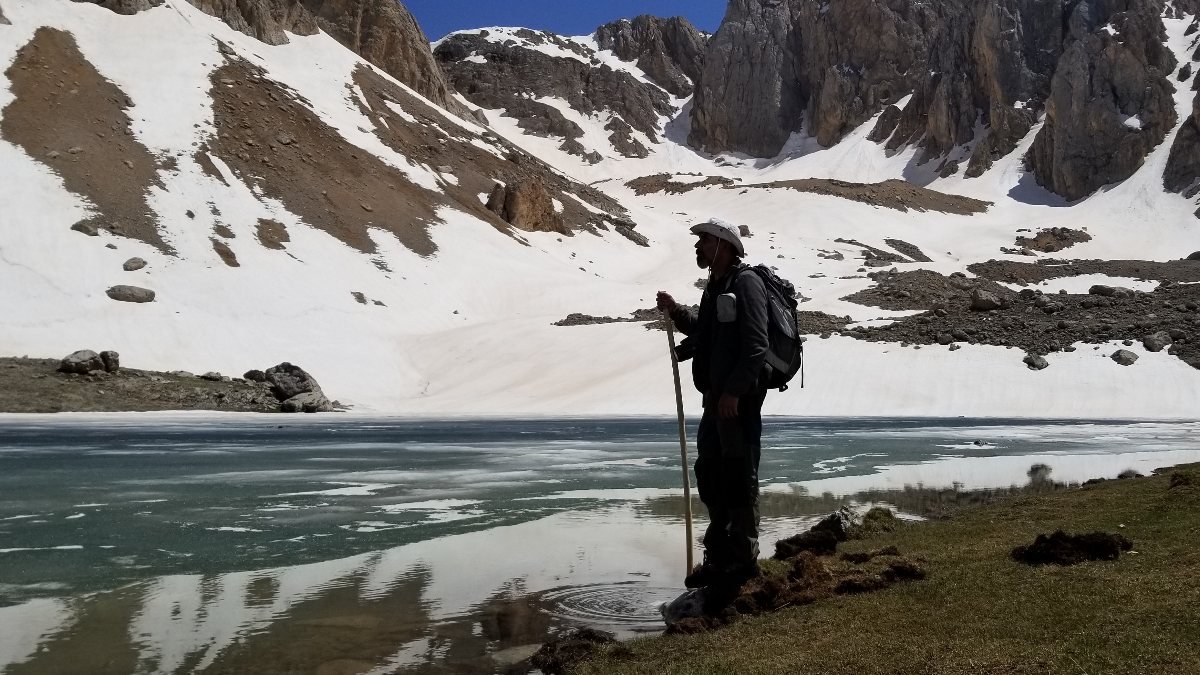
308 402
1036 362
255 376
212 376
1110 291
1064 549
81 362
122 293
86 228
1194 256
1124 357
133 264
1157 341
985 301
526 205
288 381
112 361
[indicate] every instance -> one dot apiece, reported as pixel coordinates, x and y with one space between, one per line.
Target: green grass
980 612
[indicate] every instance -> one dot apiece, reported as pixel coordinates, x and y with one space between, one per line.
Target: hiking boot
701 575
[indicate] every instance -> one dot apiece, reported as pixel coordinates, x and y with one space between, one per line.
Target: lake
349 544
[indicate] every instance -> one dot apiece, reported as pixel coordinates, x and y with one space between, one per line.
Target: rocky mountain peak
670 51
544 80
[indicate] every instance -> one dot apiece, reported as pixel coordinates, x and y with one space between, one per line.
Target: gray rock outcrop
81 362
123 293
133 264
669 51
118 6
1124 357
3 19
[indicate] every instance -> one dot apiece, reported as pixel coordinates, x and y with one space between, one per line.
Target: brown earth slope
66 115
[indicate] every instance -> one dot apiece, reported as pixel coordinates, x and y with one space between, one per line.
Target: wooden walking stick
687 483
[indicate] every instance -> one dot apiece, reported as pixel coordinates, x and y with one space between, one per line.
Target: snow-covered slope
462 325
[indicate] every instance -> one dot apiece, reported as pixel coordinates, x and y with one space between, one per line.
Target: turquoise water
174 544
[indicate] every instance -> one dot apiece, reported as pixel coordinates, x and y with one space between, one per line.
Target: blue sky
565 17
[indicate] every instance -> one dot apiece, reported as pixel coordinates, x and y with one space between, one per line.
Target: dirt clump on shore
559 655
804 570
1065 549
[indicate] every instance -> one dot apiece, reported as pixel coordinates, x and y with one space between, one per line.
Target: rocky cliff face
1097 68
384 33
669 51
265 20
1183 167
771 65
512 71
1110 101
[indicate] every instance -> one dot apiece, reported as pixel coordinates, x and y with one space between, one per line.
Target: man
729 336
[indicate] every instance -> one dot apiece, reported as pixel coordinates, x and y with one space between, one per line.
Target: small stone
86 228
75 150
1124 357
985 301
133 264
1036 362
211 376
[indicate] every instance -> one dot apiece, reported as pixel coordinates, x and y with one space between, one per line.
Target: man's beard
701 262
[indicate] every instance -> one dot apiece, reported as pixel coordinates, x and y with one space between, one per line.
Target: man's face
706 250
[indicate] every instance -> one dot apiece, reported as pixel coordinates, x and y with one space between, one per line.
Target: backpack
785 345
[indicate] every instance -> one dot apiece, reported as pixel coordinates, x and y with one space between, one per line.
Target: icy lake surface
176 544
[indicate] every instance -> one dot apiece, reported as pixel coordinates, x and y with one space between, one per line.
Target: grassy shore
979 611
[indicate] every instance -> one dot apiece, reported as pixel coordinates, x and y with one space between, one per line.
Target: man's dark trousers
727 478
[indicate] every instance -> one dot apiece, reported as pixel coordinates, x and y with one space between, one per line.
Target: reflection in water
457 549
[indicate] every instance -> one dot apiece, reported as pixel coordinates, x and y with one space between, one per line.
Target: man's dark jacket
729 356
